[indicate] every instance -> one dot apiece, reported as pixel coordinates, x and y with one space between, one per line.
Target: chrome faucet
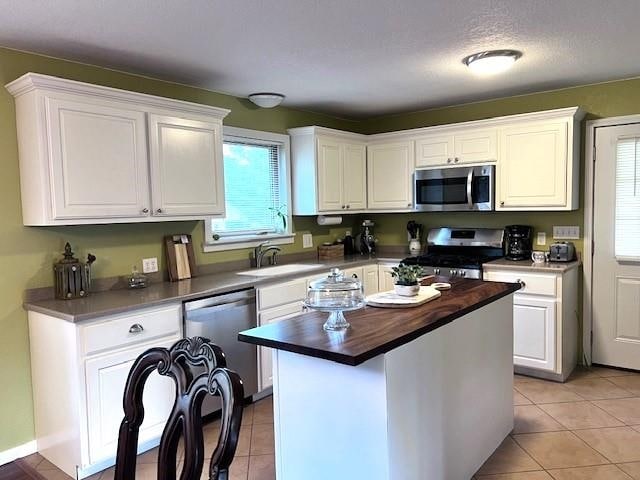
260 251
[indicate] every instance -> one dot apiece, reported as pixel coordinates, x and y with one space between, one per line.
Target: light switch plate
149 265
542 238
571 232
307 240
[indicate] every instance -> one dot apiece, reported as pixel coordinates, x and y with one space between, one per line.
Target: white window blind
627 220
252 189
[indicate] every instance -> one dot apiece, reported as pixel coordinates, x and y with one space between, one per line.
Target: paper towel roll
329 220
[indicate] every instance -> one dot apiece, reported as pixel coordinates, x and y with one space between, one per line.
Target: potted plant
406 283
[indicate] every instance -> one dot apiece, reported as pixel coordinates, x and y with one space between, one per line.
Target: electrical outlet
542 238
149 265
307 240
566 232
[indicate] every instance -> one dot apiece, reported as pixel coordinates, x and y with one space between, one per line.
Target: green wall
27 253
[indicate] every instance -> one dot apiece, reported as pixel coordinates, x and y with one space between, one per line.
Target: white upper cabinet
84 157
98 160
186 166
390 176
328 171
538 166
464 146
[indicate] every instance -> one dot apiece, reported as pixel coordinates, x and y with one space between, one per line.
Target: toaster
562 252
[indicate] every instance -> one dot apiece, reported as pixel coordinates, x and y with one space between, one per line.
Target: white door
187 174
265 354
532 170
329 175
354 176
476 146
534 332
106 376
98 160
389 176
434 150
616 259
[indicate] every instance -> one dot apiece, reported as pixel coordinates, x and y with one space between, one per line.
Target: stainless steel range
459 251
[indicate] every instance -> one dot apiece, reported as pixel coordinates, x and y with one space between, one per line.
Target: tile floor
585 429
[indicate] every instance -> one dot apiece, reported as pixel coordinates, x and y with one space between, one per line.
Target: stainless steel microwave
454 189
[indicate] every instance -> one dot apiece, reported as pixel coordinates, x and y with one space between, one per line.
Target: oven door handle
469 185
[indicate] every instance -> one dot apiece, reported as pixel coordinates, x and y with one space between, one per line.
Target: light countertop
528 265
112 302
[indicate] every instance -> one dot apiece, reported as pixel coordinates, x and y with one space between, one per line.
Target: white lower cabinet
545 320
385 280
534 332
273 315
370 281
79 371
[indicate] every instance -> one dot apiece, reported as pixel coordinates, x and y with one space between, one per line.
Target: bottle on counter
348 243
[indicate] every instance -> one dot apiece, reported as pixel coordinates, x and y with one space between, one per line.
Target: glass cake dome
335 294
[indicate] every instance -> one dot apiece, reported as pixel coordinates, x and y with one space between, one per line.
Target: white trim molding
18 452
587 256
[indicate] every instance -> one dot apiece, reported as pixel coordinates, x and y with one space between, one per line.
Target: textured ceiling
352 58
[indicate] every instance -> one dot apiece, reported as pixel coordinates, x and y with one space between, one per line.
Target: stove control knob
463 273
436 271
453 273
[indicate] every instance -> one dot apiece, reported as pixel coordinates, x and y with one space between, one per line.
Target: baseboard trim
18 452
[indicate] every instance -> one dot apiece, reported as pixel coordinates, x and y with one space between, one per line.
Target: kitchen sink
281 269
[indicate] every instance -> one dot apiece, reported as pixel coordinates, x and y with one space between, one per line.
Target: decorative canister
72 278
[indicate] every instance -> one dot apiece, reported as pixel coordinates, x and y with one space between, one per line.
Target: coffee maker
366 242
518 242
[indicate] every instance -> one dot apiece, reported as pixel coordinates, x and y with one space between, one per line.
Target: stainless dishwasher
219 318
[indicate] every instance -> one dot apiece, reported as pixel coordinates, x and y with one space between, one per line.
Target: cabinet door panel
354 190
98 160
434 150
534 333
265 354
106 376
532 171
370 279
476 146
385 280
330 178
186 166
389 175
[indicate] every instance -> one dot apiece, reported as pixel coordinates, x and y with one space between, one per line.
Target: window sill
236 243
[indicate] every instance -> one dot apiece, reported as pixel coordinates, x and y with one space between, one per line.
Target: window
256 191
627 229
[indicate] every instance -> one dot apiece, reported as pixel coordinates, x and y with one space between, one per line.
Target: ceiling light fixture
266 100
492 61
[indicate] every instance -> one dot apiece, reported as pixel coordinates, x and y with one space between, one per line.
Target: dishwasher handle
248 296
220 307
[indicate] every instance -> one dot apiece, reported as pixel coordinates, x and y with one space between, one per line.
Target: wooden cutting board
180 257
391 299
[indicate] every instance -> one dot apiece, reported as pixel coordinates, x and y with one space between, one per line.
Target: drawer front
142 326
532 283
280 313
281 293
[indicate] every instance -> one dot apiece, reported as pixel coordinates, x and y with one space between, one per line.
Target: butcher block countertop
375 331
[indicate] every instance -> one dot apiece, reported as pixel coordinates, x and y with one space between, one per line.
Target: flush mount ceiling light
491 61
266 100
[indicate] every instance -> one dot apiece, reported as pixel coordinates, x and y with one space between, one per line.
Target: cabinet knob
355 275
159 210
448 160
145 210
502 204
344 206
136 328
522 284
408 204
456 160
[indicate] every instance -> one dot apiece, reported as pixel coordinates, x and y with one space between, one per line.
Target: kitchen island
412 394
